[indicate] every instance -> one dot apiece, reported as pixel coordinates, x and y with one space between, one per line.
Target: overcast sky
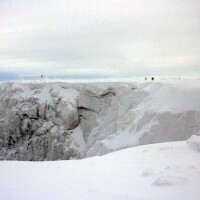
113 37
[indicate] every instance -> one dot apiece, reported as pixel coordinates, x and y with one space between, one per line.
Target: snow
194 142
167 171
109 116
172 96
78 140
159 111
137 113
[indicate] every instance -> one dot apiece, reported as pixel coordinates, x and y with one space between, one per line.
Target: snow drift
58 120
167 171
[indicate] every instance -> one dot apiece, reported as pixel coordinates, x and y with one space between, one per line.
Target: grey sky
116 37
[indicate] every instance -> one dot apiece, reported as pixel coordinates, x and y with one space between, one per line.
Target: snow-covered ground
167 171
49 120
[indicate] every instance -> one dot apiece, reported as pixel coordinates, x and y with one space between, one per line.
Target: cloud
121 38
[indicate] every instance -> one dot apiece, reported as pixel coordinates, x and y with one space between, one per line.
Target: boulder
42 110
30 111
69 115
26 126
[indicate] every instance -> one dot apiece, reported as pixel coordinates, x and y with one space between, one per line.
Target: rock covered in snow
42 110
51 121
69 114
31 111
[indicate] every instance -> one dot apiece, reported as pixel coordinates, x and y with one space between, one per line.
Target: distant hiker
145 78
152 78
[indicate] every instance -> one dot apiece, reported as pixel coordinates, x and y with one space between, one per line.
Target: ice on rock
42 110
69 115
51 121
31 111
26 126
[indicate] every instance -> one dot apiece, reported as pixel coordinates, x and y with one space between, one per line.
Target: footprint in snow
147 172
170 180
145 150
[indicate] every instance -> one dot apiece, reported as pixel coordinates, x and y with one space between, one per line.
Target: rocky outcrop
91 107
52 121
48 121
68 113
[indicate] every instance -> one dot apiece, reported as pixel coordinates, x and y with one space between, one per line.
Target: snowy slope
153 112
167 171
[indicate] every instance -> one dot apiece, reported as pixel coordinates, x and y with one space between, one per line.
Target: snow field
168 171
